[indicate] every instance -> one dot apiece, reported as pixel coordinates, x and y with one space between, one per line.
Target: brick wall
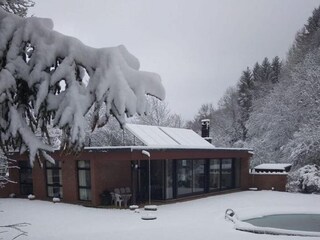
112 169
268 181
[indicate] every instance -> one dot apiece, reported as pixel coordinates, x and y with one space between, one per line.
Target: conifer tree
306 40
276 68
262 78
245 91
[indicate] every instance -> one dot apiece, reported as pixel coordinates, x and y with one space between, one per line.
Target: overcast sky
199 47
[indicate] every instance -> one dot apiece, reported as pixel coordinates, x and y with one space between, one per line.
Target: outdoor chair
122 190
128 190
117 190
118 199
113 198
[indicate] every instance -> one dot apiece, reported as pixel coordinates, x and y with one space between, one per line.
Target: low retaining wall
265 181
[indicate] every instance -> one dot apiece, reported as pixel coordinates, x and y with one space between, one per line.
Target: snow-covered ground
196 219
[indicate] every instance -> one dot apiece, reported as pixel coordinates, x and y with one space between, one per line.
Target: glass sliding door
190 176
226 174
157 179
184 177
214 174
169 179
198 175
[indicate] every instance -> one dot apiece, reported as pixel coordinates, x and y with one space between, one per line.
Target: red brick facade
275 182
112 167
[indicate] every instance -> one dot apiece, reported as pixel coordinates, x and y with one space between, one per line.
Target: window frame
25 166
56 166
78 179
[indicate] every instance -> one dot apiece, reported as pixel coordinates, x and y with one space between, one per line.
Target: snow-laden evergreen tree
245 92
262 78
18 7
307 39
42 76
256 75
304 146
276 66
284 128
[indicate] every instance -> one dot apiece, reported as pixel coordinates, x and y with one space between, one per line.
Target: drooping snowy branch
42 78
18 7
5 165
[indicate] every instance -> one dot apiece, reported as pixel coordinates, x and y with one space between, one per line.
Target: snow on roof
273 166
165 136
150 135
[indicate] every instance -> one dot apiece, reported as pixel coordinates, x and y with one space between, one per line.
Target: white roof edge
273 166
164 147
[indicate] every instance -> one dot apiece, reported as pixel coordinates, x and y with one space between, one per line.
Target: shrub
305 180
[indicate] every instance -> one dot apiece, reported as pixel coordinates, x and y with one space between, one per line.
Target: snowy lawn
196 219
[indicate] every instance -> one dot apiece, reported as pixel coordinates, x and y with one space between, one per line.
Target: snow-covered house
182 164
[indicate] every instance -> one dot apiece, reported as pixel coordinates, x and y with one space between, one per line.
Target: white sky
199 47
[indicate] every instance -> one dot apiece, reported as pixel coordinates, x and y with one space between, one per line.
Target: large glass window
169 179
84 180
54 179
26 185
190 176
157 179
222 174
226 174
198 175
184 177
214 174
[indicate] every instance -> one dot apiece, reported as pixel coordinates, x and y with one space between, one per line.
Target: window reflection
54 179
26 183
226 173
190 176
214 179
184 177
169 179
198 175
84 180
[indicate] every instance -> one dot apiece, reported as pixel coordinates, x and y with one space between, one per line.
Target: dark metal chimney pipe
205 130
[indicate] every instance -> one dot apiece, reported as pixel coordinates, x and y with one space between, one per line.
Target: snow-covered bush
47 77
31 196
305 179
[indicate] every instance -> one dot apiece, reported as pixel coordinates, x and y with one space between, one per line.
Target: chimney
205 130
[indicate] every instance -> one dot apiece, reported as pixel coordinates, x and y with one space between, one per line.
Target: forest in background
274 109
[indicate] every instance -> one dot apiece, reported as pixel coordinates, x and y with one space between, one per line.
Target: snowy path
197 219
